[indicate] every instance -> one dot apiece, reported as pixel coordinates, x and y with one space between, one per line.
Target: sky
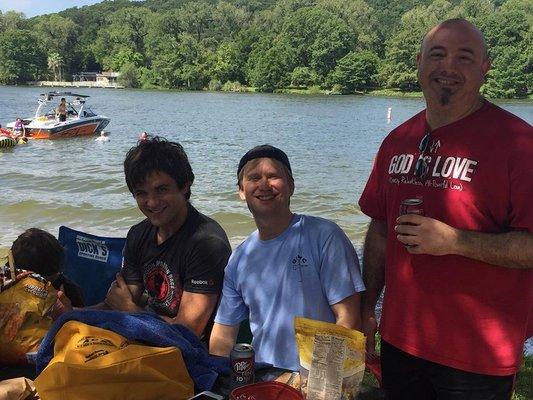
31 8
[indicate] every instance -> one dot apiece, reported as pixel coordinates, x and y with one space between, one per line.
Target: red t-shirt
453 310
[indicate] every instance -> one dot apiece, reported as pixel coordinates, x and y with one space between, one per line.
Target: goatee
445 95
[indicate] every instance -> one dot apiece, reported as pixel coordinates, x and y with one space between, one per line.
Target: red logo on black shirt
163 289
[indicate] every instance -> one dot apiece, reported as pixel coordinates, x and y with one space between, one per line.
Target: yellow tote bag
94 363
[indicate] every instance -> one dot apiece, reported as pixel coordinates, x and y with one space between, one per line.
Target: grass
524 381
395 93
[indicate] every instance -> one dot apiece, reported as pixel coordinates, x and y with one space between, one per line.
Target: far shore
235 87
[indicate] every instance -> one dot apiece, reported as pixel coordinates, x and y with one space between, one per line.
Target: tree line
347 46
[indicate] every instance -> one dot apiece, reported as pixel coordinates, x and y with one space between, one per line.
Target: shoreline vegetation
326 46
236 87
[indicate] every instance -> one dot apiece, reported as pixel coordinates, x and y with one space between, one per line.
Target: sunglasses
422 167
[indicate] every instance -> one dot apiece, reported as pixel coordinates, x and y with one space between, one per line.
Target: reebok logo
202 282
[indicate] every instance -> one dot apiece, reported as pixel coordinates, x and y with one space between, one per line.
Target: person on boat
457 271
177 255
292 265
104 137
19 130
61 110
39 251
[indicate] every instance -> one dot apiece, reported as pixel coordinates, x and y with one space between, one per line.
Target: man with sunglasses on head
459 283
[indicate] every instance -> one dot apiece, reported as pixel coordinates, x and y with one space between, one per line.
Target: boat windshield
51 111
87 112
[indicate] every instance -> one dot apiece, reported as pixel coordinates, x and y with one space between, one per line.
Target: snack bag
332 360
24 316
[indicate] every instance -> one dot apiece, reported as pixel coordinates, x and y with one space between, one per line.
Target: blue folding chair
91 261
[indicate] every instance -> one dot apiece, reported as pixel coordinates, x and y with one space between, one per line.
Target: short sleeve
340 273
231 309
131 270
521 181
204 270
372 201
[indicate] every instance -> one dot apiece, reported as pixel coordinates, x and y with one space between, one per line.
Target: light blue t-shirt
302 272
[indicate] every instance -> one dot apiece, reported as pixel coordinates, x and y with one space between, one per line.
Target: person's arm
223 338
426 235
202 283
122 296
374 279
194 311
347 312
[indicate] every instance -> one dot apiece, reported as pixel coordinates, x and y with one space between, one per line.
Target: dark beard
445 95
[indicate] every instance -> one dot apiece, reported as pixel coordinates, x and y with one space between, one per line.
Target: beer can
412 206
242 359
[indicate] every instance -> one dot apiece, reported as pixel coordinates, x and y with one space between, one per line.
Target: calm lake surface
330 140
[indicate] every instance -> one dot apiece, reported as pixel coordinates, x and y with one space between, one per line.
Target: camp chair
91 261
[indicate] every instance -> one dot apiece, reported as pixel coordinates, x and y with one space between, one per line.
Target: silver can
242 359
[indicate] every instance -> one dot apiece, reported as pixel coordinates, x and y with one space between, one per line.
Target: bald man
458 277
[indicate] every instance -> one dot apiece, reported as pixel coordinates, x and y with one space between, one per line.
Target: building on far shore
106 79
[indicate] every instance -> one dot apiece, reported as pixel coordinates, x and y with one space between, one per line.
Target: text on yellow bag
94 363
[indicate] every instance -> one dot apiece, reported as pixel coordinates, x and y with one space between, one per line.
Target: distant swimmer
103 137
143 136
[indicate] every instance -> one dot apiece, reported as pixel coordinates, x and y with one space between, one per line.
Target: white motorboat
81 120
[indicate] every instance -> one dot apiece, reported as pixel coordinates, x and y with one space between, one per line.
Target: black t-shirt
192 260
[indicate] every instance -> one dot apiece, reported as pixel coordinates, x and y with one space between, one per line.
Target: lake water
330 141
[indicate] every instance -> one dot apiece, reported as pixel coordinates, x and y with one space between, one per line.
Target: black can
242 359
412 206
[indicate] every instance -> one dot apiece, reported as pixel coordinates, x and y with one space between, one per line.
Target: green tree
122 40
196 18
59 36
356 72
228 62
228 21
361 20
55 62
12 20
304 76
509 34
270 64
319 38
22 57
476 10
130 75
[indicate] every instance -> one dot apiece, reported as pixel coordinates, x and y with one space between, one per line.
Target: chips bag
24 315
332 360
